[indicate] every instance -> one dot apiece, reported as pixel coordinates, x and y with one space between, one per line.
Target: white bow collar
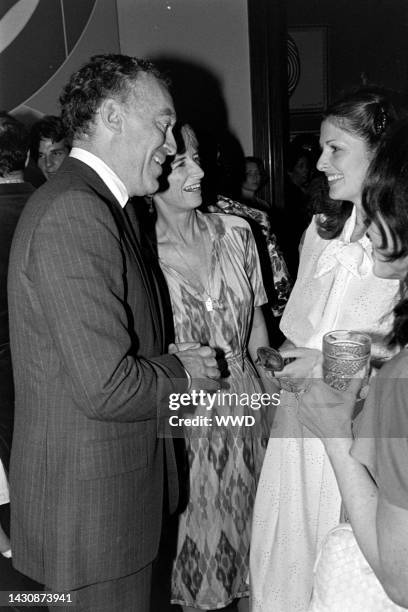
356 257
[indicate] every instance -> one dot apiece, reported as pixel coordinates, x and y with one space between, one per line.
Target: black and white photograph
204 305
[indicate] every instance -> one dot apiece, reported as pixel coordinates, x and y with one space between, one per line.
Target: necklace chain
211 303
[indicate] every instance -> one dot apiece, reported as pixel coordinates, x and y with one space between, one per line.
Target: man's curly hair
101 77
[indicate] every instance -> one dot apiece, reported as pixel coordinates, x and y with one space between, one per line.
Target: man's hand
200 363
182 346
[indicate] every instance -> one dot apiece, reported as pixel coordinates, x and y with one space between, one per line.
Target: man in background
49 145
90 353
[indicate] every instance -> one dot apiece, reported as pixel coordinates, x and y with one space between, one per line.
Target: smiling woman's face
344 160
184 180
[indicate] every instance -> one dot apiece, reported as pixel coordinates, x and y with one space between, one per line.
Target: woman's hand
326 411
307 365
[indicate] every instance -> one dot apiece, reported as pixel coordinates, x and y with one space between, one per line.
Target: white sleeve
4 488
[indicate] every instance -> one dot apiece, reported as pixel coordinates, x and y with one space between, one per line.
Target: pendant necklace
211 303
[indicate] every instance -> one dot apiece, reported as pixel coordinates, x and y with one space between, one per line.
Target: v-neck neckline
202 291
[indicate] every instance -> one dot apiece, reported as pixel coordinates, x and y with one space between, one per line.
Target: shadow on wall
199 101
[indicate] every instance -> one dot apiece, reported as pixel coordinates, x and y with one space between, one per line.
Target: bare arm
259 334
259 337
380 527
392 534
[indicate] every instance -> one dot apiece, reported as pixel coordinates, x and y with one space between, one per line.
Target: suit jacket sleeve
78 265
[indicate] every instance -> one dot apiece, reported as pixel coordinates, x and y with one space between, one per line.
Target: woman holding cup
371 470
298 500
345 353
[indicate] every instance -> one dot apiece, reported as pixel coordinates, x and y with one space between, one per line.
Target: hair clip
380 121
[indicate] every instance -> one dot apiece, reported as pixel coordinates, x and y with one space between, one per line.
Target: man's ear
111 113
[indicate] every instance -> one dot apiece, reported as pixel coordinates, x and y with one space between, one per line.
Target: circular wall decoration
36 37
293 66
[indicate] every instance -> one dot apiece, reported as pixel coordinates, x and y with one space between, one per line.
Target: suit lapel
150 258
130 232
149 280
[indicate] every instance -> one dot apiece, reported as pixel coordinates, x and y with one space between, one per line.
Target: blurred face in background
300 173
51 155
253 177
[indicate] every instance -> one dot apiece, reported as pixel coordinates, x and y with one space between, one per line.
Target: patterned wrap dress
212 562
281 280
298 500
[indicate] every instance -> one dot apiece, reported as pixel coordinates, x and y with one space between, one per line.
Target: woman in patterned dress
275 272
259 214
212 271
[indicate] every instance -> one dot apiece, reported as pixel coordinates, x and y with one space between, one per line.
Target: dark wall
366 37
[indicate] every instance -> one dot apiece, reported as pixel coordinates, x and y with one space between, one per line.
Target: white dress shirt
109 177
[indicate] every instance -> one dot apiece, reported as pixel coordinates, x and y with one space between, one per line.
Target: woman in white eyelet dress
298 500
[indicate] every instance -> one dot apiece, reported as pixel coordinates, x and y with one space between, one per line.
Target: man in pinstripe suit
89 356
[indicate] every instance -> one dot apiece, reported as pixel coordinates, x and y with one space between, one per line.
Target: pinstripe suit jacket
87 347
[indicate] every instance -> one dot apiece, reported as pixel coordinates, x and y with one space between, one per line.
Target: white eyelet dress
298 500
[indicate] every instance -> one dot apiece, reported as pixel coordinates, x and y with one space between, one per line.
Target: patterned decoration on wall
36 38
293 65
307 61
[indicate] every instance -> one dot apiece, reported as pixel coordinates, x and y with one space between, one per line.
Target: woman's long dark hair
366 112
385 203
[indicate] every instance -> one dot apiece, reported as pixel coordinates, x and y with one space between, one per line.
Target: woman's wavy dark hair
385 203
366 112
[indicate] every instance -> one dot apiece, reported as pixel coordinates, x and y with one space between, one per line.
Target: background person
89 350
49 144
254 179
298 499
371 469
14 193
294 218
